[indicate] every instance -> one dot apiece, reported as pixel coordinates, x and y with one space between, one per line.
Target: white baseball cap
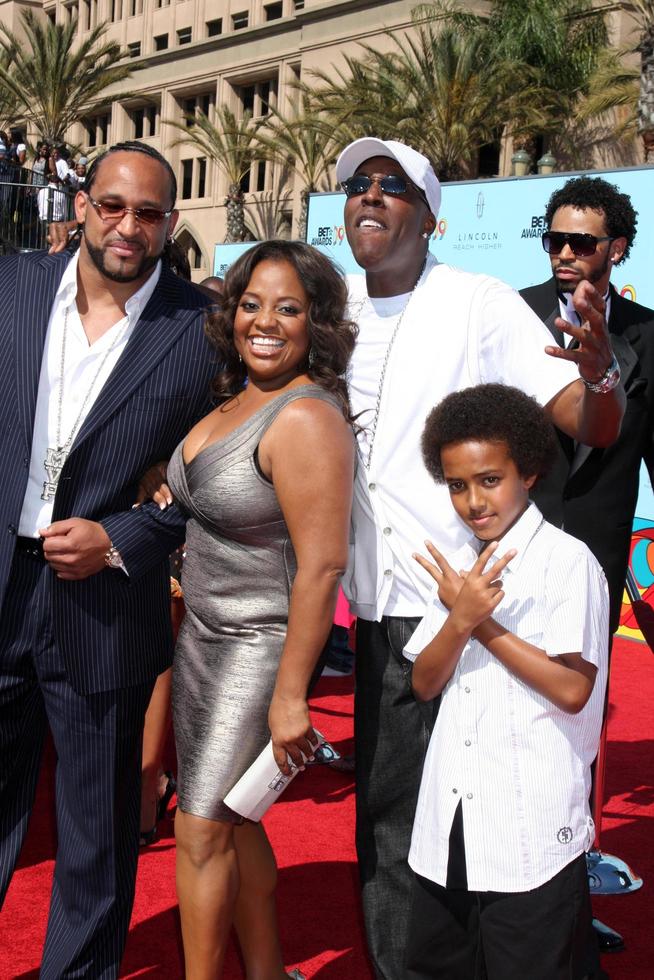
416 166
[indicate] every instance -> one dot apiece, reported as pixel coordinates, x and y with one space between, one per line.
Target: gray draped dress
237 578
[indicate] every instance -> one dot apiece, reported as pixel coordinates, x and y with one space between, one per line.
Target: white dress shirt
81 364
519 765
459 329
570 315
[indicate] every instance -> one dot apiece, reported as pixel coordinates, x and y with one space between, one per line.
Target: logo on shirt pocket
564 835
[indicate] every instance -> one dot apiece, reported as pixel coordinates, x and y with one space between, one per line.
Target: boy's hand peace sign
470 596
449 583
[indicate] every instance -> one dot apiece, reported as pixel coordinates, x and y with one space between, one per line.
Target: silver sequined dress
237 579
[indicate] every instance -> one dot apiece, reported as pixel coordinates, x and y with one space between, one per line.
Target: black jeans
391 732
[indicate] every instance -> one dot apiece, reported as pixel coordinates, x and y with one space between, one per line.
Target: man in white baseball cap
425 329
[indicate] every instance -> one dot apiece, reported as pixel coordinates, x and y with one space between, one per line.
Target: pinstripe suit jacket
113 630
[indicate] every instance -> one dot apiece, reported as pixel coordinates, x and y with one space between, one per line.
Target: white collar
517 537
67 289
565 301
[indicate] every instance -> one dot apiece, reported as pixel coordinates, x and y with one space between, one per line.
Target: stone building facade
190 55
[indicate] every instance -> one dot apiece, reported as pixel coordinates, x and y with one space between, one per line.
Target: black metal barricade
27 207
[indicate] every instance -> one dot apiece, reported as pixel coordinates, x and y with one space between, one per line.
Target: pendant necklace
56 456
380 388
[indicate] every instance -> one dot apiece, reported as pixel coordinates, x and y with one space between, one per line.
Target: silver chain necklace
380 388
56 456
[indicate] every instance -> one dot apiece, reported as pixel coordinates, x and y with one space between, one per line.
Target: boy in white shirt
518 647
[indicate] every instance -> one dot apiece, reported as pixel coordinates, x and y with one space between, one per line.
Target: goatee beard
97 257
594 277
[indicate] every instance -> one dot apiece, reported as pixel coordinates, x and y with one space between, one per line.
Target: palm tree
231 144
562 47
52 78
643 11
304 143
433 89
8 114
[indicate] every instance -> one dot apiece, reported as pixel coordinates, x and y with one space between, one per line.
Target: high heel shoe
166 796
148 837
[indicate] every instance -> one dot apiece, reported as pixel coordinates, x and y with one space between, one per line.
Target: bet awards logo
329 235
537 227
439 230
628 292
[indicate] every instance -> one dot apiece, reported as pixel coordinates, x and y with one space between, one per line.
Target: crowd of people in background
36 187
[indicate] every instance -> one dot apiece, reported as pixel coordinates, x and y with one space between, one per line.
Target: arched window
190 245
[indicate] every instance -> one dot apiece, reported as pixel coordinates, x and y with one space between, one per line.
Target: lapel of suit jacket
546 306
626 358
36 286
557 334
623 334
158 328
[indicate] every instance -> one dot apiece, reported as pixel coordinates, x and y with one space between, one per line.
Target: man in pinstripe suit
104 368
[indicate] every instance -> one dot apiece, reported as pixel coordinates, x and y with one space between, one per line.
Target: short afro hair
596 194
491 413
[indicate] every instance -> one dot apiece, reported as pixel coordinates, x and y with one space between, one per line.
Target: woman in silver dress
266 479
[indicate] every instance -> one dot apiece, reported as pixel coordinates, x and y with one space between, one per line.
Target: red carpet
312 833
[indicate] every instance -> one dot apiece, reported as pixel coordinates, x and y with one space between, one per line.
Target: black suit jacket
113 630
592 493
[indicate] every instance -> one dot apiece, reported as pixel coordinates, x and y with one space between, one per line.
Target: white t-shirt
519 765
459 329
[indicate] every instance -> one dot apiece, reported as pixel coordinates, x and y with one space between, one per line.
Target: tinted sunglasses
393 184
582 245
110 211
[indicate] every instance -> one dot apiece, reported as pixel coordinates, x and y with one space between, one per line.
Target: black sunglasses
111 212
393 184
582 245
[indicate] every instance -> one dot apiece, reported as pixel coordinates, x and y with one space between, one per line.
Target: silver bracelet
609 380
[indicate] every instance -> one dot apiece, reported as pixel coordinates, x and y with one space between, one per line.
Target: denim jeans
391 732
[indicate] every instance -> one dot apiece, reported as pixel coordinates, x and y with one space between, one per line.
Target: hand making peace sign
470 596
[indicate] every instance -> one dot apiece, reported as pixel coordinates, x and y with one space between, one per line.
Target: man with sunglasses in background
592 493
425 330
105 368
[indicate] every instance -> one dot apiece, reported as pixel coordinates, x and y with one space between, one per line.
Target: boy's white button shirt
519 765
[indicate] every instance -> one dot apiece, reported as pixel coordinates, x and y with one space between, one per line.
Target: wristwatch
112 558
609 380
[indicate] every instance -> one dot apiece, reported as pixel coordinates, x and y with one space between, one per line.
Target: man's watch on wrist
112 558
609 380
